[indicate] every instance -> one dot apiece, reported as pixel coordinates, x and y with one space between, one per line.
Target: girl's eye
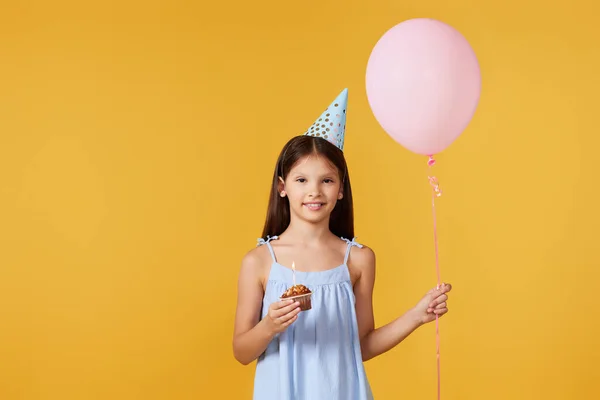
328 180
301 180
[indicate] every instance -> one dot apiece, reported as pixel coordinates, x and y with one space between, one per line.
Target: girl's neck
307 233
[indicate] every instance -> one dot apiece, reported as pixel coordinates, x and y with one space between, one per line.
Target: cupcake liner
303 299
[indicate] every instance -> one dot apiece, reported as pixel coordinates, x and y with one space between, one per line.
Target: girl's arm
377 341
251 335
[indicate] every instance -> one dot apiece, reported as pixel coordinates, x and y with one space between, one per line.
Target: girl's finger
438 307
285 310
281 304
289 315
290 321
442 298
283 320
440 311
441 289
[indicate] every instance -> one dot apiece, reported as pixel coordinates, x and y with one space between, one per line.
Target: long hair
341 222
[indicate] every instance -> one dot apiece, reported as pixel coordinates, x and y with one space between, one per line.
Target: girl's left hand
435 302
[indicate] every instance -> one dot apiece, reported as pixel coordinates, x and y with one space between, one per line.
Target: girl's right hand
281 315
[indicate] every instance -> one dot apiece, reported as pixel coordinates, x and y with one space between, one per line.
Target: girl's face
313 188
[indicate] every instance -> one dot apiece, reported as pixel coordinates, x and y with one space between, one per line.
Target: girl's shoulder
361 256
257 260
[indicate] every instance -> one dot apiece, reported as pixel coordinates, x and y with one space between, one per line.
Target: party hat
331 125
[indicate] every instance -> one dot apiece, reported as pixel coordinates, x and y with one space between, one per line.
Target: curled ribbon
433 180
436 186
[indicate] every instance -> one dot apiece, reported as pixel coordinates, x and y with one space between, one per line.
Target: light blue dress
318 357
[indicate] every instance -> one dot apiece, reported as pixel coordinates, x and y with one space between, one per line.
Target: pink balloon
423 84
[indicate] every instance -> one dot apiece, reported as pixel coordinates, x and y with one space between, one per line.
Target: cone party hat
331 125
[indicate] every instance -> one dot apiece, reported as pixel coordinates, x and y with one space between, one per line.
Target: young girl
316 354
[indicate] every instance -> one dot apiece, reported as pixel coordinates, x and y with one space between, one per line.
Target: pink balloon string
436 192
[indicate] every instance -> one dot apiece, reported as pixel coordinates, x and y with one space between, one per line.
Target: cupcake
301 294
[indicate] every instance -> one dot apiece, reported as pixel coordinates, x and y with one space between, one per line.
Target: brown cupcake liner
303 299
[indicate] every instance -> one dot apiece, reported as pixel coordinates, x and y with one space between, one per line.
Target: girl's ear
281 187
340 195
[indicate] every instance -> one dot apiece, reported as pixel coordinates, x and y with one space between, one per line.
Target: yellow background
137 142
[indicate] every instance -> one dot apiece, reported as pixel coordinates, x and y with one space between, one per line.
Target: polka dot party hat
331 125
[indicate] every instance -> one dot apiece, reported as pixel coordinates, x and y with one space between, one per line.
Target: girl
315 354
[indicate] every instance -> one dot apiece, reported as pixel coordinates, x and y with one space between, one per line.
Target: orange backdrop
137 141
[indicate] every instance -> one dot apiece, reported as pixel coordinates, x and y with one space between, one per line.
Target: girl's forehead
314 162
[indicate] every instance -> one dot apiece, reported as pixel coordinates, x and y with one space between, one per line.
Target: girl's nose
314 190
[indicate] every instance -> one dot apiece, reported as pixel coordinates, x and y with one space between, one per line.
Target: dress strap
262 241
350 244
